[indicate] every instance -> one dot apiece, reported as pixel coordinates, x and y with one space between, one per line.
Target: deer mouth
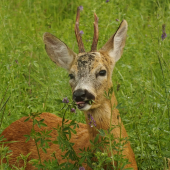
82 104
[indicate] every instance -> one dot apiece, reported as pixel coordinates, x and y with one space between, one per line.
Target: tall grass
141 78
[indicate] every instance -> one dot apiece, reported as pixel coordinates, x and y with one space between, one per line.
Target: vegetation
141 78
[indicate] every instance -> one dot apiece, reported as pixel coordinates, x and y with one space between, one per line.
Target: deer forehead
86 63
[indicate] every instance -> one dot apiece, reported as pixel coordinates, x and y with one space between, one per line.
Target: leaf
69 135
26 119
55 142
66 121
48 140
66 128
44 150
42 120
1 138
74 131
102 133
119 106
34 121
35 161
28 138
91 142
67 153
82 160
42 142
96 138
37 140
38 134
72 122
43 124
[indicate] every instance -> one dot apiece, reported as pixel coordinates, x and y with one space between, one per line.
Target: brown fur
17 130
85 68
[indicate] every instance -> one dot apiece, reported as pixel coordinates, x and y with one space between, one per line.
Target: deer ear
116 43
58 51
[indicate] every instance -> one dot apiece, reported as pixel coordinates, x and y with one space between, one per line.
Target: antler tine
77 32
96 34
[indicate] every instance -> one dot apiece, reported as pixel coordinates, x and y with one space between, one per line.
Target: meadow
30 82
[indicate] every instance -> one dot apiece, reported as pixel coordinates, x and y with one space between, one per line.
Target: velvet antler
77 32
96 34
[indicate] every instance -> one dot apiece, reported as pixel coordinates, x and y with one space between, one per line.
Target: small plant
42 138
22 158
99 156
5 153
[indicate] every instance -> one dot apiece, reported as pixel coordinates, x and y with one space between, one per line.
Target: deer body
90 76
19 128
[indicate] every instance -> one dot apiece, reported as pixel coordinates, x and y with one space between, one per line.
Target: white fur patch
87 107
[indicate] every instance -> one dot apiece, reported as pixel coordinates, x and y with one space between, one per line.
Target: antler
77 32
96 34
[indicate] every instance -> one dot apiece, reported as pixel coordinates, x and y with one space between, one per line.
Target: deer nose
82 95
79 95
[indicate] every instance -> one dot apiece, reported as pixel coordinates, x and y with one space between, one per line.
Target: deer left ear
116 43
58 51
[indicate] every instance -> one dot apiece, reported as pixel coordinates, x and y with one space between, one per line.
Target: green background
34 83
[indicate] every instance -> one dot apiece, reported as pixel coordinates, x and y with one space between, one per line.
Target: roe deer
90 76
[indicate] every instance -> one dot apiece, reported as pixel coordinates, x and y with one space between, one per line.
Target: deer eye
71 76
102 73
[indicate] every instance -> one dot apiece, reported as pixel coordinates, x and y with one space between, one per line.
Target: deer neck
102 117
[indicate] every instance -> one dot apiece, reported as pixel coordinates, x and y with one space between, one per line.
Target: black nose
81 95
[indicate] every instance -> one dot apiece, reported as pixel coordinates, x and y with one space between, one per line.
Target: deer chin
83 105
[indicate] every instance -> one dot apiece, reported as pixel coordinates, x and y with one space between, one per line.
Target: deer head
90 72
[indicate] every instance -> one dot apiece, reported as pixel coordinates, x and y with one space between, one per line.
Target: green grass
34 82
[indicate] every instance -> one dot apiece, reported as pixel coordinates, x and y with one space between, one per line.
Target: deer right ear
116 43
58 51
